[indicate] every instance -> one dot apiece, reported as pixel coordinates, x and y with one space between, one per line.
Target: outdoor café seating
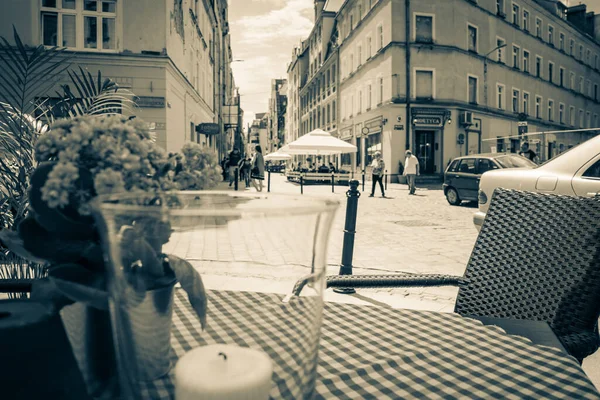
537 258
536 263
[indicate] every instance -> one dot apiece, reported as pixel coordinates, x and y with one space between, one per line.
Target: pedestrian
224 163
332 167
258 169
378 166
245 166
411 170
234 160
527 152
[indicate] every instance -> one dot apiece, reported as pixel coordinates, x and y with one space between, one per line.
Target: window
467 166
597 61
571 47
588 119
424 84
551 35
561 77
423 28
538 66
500 54
369 47
561 113
596 121
572 79
538 27
472 38
380 37
550 71
561 41
360 96
581 52
500 7
588 56
516 57
538 107
525 61
500 96
90 26
333 109
515 100
526 20
593 171
380 90
581 84
485 164
589 88
472 97
515 14
500 145
359 55
525 103
572 116
596 92
581 118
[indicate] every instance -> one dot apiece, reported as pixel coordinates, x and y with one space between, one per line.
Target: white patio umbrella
318 142
277 155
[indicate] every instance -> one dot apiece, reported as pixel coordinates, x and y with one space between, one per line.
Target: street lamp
485 85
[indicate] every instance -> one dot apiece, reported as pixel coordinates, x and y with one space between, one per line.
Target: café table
374 352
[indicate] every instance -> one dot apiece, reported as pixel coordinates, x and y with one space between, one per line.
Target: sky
263 35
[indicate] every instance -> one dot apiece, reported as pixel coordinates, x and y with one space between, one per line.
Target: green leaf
191 282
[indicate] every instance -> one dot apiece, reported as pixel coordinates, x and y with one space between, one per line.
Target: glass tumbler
250 266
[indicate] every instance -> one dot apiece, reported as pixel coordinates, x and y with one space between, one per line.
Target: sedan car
461 178
575 172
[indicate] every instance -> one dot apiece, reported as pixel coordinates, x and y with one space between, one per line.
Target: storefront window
373 145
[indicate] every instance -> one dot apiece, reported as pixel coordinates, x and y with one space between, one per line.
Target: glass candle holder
261 260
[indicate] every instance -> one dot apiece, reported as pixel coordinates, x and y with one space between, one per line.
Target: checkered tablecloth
381 353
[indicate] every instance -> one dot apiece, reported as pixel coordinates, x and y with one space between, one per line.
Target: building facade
276 115
174 56
454 77
449 78
258 133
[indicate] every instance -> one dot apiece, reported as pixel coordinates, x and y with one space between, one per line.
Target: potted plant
80 159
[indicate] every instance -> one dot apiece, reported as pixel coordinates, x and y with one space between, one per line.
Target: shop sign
398 127
346 133
150 101
427 121
208 128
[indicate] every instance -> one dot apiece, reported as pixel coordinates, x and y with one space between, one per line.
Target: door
426 151
587 180
464 179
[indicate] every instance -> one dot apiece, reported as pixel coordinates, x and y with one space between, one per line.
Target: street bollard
302 184
363 180
269 181
386 179
349 231
332 183
236 176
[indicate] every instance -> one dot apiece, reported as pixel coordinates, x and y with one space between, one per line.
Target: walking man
378 166
234 160
411 170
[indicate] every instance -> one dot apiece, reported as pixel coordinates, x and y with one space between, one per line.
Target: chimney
576 15
319 5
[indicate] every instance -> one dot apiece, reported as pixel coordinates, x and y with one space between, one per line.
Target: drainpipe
407 49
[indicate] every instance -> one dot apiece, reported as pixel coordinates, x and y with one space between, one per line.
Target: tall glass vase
261 259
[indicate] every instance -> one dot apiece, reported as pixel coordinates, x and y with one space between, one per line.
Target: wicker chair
537 257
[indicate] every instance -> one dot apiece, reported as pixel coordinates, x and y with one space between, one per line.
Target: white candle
223 372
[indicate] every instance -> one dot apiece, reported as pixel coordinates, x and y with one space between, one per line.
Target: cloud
291 21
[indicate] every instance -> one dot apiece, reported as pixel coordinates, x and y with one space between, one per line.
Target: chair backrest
537 257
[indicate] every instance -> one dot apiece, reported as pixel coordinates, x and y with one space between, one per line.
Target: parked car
461 178
576 172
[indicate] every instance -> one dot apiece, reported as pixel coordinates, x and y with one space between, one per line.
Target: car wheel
452 196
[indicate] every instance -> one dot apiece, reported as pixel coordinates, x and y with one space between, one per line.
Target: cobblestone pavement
421 233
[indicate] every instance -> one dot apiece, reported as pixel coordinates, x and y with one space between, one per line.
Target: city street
421 234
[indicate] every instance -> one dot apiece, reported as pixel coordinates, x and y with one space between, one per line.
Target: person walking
258 169
234 160
411 170
245 165
527 152
378 166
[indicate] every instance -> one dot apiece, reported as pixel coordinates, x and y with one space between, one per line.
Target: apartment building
448 78
276 115
174 56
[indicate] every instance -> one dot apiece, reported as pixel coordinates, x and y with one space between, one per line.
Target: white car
576 172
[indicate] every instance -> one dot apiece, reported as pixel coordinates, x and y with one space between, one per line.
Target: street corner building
174 55
445 78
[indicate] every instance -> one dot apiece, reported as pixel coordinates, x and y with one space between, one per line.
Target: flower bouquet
80 160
